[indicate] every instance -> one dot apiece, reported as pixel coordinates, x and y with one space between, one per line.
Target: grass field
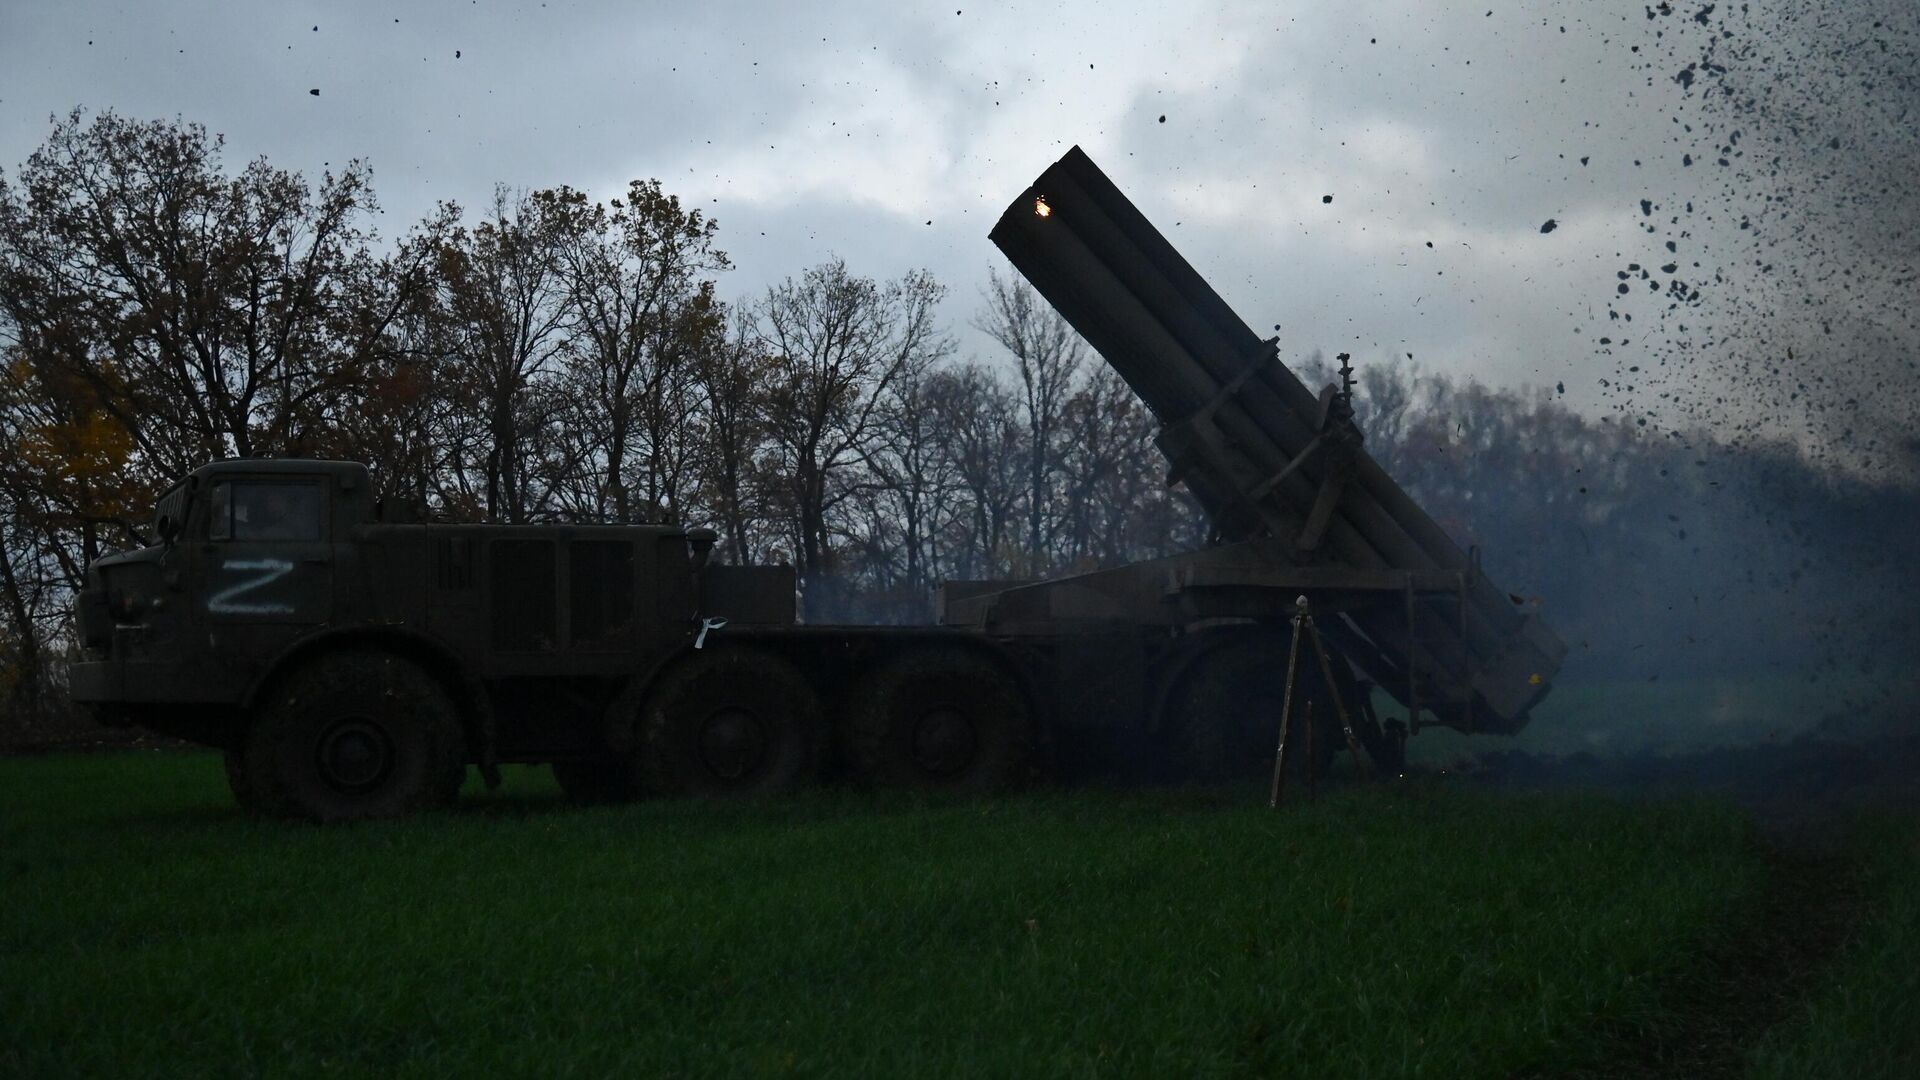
1859 1022
1404 930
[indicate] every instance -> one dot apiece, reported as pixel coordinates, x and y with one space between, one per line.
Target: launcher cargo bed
1296 502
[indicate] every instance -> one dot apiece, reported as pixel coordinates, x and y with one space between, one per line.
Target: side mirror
167 528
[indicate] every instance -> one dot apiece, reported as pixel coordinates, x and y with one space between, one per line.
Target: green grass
1859 1024
147 929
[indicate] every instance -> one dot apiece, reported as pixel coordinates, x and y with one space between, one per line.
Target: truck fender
1179 661
620 722
1023 667
1021 672
476 712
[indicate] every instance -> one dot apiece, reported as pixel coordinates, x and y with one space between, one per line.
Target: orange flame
1040 206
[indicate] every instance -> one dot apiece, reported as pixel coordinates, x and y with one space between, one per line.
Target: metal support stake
1303 625
1313 761
1286 707
1333 691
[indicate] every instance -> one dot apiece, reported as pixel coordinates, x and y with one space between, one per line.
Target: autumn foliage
553 357
549 358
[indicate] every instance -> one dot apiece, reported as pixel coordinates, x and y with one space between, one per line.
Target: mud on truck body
353 662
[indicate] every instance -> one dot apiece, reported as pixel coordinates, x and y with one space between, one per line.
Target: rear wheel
1223 722
354 735
940 717
730 722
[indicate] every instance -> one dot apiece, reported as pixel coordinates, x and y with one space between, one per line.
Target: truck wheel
1224 720
730 722
595 781
355 735
940 718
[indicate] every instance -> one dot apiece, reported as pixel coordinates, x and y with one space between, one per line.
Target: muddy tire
354 735
607 781
729 723
1223 720
940 718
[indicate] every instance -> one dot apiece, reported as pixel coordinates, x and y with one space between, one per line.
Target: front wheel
353 735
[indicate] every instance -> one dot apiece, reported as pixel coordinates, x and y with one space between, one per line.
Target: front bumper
97 682
120 681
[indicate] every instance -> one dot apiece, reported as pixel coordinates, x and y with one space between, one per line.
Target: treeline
550 358
555 358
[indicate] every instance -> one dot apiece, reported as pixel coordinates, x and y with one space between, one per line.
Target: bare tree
505 304
911 467
730 369
641 309
389 313
1111 467
978 416
1048 355
836 343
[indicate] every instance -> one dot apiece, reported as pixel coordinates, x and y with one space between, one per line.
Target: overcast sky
892 133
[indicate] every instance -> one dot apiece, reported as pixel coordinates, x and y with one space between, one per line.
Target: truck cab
243 563
263 571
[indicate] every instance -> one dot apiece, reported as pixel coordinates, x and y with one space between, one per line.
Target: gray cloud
894 134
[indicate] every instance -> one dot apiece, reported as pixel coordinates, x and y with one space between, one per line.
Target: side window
600 592
523 595
265 510
220 512
454 561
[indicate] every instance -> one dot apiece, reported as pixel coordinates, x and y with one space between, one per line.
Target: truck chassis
353 662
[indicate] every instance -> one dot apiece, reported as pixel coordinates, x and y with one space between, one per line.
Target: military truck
353 661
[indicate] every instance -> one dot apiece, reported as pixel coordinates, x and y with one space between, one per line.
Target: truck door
601 574
266 559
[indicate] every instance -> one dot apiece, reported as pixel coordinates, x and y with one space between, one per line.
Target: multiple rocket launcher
1280 470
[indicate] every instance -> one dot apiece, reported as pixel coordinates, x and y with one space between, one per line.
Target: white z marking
265 572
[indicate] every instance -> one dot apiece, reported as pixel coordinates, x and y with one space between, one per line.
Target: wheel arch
1019 675
678 704
808 653
620 722
434 658
1023 674
999 654
1178 667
